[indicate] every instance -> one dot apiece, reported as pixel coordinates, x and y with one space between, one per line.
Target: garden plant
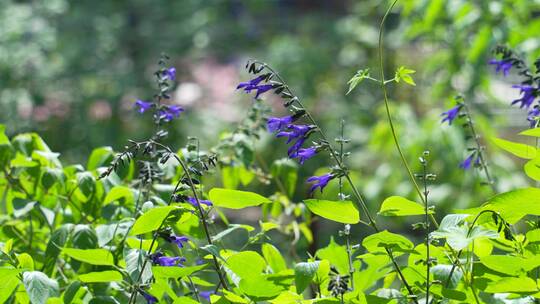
146 224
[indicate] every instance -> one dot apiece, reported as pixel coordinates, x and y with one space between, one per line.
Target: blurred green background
71 71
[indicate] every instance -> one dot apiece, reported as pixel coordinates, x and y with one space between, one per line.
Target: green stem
359 202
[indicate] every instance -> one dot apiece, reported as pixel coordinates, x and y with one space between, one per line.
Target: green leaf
134 264
120 192
518 149
246 265
235 199
458 237
260 288
336 255
287 172
39 287
376 242
52 176
10 281
357 79
151 220
338 211
232 227
511 265
54 247
442 272
91 256
404 74
400 206
515 285
532 168
100 157
273 257
514 205
531 132
303 274
87 183
101 277
175 272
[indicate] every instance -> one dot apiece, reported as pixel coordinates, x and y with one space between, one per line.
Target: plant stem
426 223
479 148
359 203
201 211
347 227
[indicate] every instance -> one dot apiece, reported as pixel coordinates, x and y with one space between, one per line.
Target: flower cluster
162 112
296 134
529 88
160 259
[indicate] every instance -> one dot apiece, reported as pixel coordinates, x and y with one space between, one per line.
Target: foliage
149 224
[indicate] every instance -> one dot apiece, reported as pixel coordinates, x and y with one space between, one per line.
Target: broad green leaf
175 272
39 287
260 288
304 273
52 176
511 265
532 168
185 300
458 237
6 150
531 132
246 264
151 220
442 272
71 291
378 241
91 256
514 205
518 149
515 285
10 281
338 211
26 261
101 277
336 255
400 206
235 199
273 257
134 264
86 182
120 192
100 157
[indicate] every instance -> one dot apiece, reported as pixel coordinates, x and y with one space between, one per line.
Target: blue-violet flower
143 106
451 114
320 181
528 95
503 65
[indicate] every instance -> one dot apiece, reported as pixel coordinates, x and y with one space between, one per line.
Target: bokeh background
71 71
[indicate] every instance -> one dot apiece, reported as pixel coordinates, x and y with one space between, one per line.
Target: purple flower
466 164
533 116
143 106
297 132
150 299
159 259
503 65
275 124
170 73
305 154
193 201
178 240
320 181
253 84
528 95
206 295
293 150
451 114
171 112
